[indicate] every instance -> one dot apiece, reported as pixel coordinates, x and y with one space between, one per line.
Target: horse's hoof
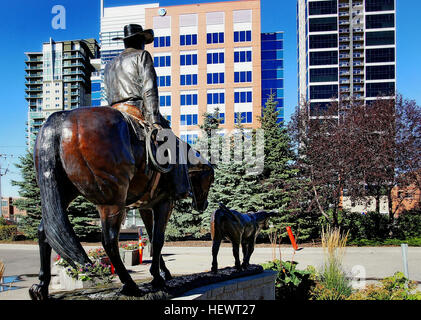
245 266
38 292
130 290
158 282
238 267
168 276
214 270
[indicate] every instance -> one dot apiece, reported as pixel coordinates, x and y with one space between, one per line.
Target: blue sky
26 24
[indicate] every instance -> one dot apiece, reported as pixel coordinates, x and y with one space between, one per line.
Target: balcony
344 64
344 47
34 89
344 73
346 30
358 38
36 115
344 81
344 56
358 72
343 5
358 80
344 14
34 75
73 56
345 89
357 63
343 22
343 39
358 89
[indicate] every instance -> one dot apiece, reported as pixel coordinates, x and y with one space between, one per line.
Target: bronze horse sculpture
96 152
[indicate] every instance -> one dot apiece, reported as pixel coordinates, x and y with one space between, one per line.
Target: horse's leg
111 219
147 217
216 243
40 291
161 214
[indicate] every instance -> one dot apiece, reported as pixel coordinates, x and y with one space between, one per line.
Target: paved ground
376 263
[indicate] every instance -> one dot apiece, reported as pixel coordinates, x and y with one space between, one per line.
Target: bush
8 233
412 242
396 287
408 225
291 283
370 226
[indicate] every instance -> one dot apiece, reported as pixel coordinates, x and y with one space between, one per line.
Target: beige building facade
207 56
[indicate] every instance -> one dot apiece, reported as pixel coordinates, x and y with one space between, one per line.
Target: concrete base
256 287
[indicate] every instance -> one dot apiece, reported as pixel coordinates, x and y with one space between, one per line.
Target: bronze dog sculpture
239 228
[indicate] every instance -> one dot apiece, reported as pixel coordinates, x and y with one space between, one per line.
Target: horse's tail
50 176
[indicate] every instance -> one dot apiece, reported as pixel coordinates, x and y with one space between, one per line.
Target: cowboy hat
135 30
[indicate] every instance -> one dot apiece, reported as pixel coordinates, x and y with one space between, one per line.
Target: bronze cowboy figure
101 153
130 85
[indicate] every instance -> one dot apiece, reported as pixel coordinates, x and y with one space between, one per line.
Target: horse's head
201 177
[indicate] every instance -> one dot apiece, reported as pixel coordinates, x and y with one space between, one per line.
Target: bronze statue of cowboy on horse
108 155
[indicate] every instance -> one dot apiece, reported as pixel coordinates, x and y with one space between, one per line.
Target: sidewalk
377 263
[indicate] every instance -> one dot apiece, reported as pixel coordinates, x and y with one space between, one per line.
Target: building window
246 117
188 119
188 79
323 58
322 7
242 36
164 41
323 24
242 76
189 138
168 118
216 98
162 61
215 57
380 72
324 75
323 92
188 39
380 38
379 21
188 99
380 55
321 41
164 81
215 78
243 97
165 101
382 88
216 37
242 56
188 59
379 5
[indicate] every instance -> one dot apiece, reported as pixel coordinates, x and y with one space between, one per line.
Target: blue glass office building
273 69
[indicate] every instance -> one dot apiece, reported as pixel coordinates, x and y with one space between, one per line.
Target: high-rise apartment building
57 78
345 48
273 70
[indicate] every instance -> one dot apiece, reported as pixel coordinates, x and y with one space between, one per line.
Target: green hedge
8 233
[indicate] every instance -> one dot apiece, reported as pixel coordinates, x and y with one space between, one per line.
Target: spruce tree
30 196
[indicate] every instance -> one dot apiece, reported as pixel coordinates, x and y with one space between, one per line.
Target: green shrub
396 287
291 283
413 242
408 225
2 221
8 233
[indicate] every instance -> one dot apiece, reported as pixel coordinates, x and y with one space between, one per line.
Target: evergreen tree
82 214
30 201
280 179
186 222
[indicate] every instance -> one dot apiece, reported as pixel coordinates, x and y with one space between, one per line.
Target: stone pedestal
227 284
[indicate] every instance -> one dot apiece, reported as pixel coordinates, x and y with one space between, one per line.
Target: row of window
244 117
212 58
191 39
372 56
212 78
331 91
212 98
